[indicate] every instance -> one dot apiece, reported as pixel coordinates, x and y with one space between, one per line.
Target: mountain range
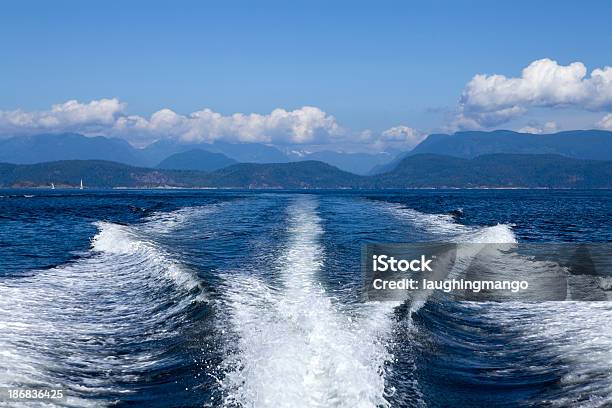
579 144
196 159
358 163
71 146
417 171
67 146
169 154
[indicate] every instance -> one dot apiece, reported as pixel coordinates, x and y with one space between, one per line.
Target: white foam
444 226
605 283
57 325
438 224
123 240
576 333
496 234
163 222
296 347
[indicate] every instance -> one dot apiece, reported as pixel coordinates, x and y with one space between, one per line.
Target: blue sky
371 65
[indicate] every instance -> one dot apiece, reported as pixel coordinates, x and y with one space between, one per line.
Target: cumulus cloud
490 100
535 128
108 117
402 135
605 122
396 138
305 125
69 116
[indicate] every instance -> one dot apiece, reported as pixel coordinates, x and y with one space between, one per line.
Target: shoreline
46 188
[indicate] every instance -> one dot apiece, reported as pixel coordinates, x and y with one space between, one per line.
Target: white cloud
396 138
107 117
490 100
605 122
404 135
548 127
68 116
305 125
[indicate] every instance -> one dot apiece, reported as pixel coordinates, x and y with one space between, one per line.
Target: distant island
171 154
496 159
413 171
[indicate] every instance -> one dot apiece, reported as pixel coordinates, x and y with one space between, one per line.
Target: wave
572 340
91 326
163 222
18 196
295 346
566 343
121 241
444 226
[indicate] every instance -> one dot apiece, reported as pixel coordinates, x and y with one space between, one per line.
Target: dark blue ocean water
241 298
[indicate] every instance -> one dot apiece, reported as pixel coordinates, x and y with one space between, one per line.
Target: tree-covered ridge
418 171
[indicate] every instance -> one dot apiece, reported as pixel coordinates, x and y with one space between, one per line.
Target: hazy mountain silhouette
419 171
196 159
67 146
579 144
358 163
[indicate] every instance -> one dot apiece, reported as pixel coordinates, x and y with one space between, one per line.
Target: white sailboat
81 187
52 186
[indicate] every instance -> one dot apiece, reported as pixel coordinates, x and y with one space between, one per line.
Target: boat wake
281 323
96 325
295 346
555 353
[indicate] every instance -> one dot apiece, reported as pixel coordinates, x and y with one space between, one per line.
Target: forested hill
498 170
106 174
418 171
